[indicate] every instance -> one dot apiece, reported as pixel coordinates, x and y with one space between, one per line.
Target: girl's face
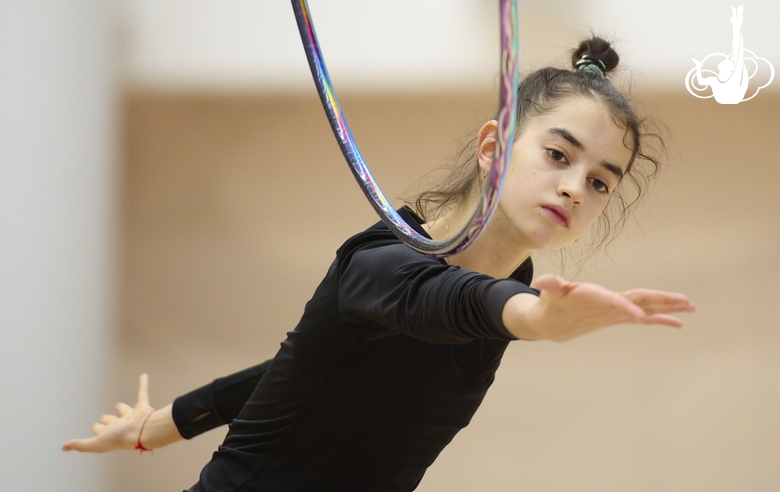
564 167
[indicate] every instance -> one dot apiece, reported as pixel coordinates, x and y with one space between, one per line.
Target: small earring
484 175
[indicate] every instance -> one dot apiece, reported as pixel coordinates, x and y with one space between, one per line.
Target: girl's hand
565 310
117 432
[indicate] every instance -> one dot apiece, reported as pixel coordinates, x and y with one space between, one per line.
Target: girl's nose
573 189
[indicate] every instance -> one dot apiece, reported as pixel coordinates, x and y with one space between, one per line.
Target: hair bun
599 49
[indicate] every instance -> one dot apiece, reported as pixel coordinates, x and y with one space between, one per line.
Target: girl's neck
496 252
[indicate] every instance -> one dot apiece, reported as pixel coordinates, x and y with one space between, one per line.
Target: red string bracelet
138 445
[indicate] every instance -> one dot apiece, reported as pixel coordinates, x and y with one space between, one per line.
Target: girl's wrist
138 445
159 429
516 316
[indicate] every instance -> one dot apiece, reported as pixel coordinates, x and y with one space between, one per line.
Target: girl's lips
558 214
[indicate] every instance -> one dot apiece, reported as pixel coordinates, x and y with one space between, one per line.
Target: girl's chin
545 239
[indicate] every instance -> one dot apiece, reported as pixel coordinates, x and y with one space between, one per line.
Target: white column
57 237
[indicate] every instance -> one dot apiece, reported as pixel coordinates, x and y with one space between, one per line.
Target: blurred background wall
59 219
181 145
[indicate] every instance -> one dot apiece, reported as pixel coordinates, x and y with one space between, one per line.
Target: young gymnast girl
396 350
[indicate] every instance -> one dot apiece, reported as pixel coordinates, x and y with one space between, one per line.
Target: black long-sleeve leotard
393 355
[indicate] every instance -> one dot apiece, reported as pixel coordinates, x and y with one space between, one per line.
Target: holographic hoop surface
505 136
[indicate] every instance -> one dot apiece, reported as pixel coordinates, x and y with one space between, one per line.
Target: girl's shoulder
385 248
382 241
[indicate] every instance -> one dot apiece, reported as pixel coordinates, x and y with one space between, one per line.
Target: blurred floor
234 207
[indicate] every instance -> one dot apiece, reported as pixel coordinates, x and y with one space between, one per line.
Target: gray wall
58 223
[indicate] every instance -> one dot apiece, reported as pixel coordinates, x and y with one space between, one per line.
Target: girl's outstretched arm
565 310
113 432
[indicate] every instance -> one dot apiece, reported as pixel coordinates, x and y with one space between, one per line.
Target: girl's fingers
97 428
629 308
124 409
661 319
71 445
85 445
644 295
653 301
653 306
143 390
97 445
668 308
548 282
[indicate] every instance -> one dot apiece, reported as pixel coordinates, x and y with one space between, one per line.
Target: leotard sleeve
389 286
216 403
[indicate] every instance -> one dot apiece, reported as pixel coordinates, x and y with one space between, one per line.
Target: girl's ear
486 145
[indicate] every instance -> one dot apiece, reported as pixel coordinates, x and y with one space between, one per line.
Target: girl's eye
599 186
556 155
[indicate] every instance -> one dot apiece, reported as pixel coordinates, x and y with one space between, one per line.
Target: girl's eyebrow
566 134
616 170
562 132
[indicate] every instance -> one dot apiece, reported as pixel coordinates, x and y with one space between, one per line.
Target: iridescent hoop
505 136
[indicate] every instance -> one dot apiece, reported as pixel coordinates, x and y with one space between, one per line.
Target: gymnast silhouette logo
730 84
